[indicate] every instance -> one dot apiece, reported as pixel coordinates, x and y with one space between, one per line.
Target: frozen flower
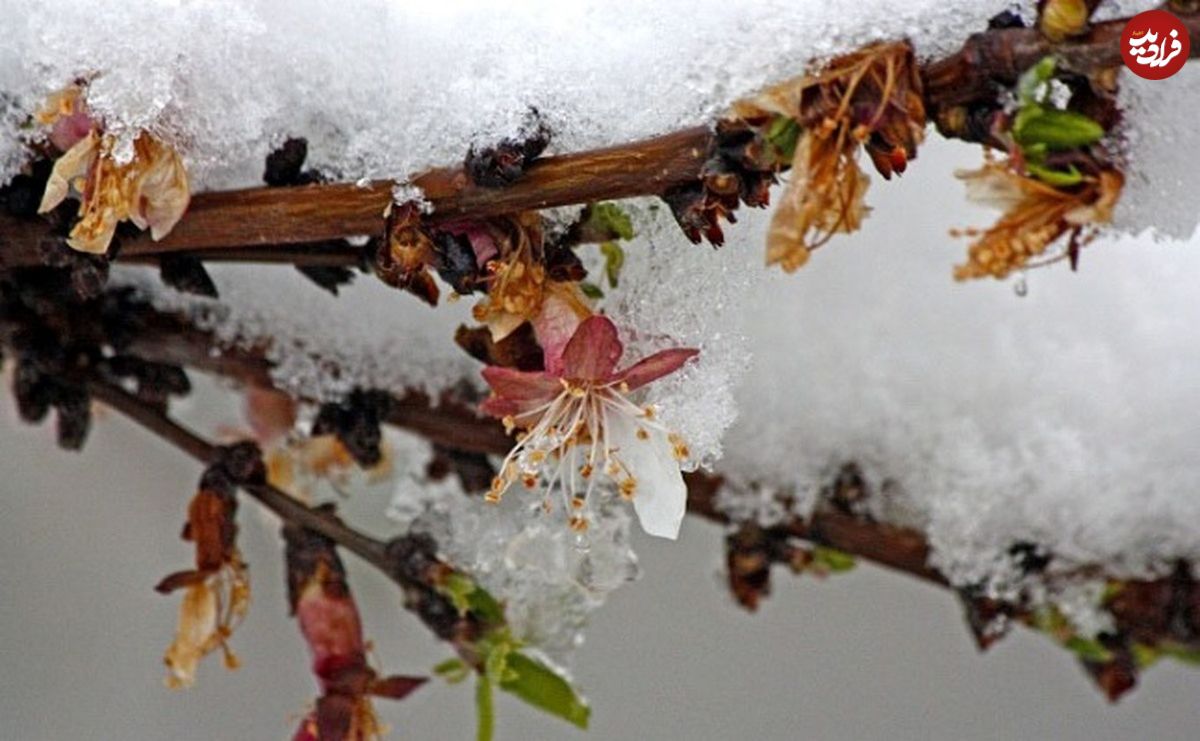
151 190
1035 215
217 592
580 425
870 98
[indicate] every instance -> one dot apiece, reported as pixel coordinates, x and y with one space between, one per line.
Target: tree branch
409 561
260 220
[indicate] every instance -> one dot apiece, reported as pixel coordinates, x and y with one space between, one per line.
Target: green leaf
614 260
452 670
467 596
832 560
782 135
610 218
458 589
486 607
1054 128
591 290
1088 650
1057 178
543 688
485 709
1030 85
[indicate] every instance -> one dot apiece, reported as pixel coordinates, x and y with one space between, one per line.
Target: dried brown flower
217 593
870 98
151 189
1035 215
403 261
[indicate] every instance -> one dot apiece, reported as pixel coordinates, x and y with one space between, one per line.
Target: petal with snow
593 351
660 496
656 366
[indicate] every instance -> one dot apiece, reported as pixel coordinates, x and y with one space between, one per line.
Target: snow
1065 417
384 89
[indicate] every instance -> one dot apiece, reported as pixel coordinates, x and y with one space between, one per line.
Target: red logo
1155 44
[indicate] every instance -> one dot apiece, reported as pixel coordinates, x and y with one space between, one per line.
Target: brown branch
311 213
409 561
253 219
288 509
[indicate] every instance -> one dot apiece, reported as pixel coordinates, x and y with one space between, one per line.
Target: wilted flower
151 189
217 591
321 600
404 258
1035 215
516 279
580 425
871 98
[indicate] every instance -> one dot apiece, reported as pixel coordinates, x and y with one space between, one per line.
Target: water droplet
581 542
1020 287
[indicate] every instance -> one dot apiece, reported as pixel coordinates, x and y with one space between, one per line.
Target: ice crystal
549 577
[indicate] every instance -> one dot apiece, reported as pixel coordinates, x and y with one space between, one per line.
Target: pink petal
482 243
69 130
656 366
554 326
516 391
593 351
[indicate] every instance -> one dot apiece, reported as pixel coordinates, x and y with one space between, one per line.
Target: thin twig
285 506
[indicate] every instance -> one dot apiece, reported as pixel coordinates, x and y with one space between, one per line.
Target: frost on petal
74 164
656 366
593 351
660 495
